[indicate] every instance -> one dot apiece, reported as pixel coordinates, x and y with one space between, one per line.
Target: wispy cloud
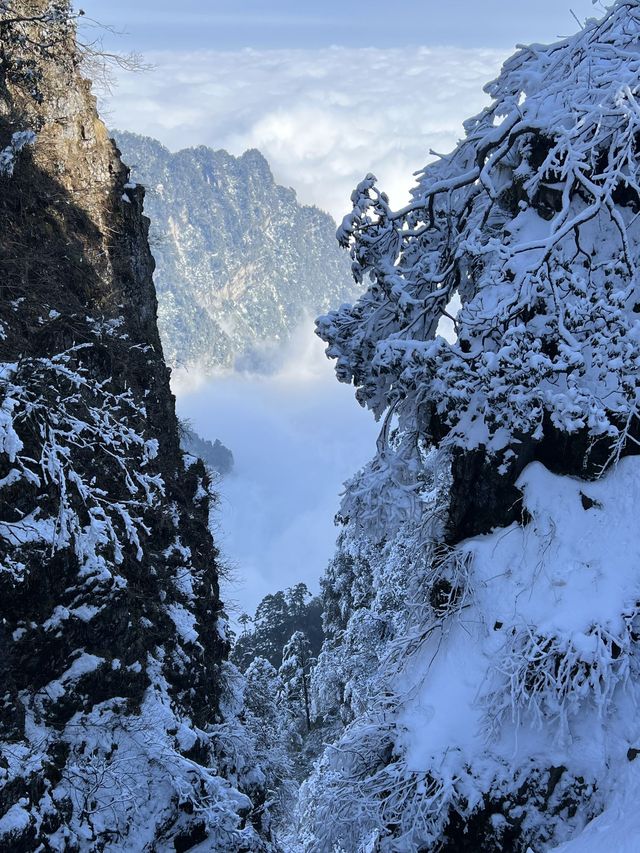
323 118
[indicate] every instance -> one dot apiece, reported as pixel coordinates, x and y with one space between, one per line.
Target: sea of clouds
323 118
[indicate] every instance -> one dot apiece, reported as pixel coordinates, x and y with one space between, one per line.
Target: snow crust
570 574
522 675
617 829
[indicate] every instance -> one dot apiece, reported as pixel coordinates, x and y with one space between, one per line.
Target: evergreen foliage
277 618
295 672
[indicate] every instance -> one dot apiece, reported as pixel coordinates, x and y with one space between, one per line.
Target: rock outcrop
111 639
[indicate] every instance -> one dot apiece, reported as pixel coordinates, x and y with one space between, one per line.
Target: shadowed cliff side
110 638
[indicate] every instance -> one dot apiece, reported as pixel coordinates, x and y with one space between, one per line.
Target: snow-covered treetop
532 223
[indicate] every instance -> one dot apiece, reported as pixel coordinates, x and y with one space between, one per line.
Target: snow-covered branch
532 222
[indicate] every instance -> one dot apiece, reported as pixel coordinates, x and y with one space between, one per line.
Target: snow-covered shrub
549 678
128 784
54 417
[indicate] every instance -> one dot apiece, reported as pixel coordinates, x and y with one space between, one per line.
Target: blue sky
262 24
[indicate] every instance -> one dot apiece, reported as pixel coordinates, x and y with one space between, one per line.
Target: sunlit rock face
240 262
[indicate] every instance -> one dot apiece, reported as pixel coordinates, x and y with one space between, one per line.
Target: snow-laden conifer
531 222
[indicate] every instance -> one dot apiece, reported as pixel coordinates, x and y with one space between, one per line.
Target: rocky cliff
240 262
111 638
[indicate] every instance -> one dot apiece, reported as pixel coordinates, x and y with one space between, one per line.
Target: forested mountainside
121 725
482 611
239 262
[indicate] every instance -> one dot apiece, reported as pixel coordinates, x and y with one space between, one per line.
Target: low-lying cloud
296 436
323 118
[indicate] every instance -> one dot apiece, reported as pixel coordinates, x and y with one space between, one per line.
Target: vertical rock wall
110 637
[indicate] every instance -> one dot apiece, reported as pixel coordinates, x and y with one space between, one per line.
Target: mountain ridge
240 263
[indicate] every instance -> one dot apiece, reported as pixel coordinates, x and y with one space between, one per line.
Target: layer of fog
296 436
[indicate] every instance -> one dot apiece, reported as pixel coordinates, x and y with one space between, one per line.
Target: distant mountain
214 454
239 261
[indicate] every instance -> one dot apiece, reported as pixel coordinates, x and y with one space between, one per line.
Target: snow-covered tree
295 672
277 617
256 743
531 223
482 611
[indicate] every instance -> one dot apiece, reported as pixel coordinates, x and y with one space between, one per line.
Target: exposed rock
110 639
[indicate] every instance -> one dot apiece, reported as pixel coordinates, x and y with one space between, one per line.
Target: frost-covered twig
53 417
550 678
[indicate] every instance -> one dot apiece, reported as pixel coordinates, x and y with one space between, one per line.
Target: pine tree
294 673
277 617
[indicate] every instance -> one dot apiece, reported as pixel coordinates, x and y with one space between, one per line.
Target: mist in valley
296 435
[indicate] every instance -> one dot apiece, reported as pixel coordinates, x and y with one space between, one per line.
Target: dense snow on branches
73 418
487 690
121 726
532 223
482 612
78 477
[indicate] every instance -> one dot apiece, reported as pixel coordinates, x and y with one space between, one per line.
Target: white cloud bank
323 118
296 437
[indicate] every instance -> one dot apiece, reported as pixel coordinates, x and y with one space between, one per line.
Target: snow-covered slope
489 690
239 262
545 648
617 828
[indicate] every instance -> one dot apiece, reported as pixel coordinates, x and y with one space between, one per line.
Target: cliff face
110 636
240 261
